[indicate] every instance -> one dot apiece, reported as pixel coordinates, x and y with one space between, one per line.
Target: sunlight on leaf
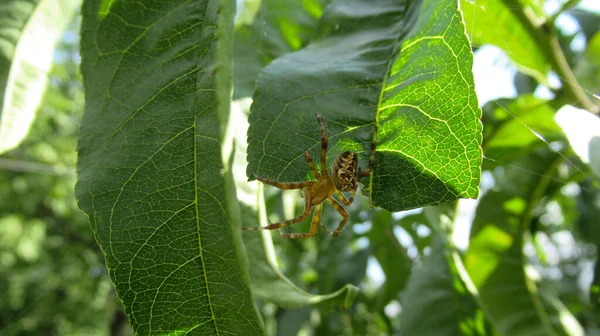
367 68
29 32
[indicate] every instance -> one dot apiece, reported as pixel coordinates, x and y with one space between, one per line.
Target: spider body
345 176
344 172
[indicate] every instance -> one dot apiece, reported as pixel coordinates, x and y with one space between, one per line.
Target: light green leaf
29 31
153 177
498 22
403 65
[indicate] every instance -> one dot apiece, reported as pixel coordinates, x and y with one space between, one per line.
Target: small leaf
153 176
29 31
405 67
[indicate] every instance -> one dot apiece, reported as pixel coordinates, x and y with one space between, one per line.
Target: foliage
166 163
52 273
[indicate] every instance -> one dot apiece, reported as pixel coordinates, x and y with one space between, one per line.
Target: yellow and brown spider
345 176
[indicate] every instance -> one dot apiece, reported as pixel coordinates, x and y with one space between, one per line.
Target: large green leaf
403 65
29 31
499 22
153 177
495 260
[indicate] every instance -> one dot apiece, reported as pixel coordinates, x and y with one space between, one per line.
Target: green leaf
153 177
588 211
29 31
391 256
495 260
513 127
438 302
499 22
403 65
268 281
587 69
277 28
270 284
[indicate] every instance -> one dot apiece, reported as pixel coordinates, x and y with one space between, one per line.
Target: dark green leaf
589 211
368 67
271 285
391 256
29 31
436 302
153 178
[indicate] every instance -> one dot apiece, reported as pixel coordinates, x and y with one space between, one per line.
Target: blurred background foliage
52 275
413 278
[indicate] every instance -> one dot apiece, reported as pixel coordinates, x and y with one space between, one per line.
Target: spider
345 176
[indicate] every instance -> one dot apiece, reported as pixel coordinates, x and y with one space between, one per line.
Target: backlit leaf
497 22
29 31
403 65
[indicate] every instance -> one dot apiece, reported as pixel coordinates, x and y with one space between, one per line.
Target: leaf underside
404 66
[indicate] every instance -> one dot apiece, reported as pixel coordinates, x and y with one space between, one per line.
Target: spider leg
313 228
311 164
342 212
285 185
343 198
274 226
372 158
324 143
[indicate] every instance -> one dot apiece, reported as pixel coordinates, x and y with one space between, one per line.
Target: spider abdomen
344 171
